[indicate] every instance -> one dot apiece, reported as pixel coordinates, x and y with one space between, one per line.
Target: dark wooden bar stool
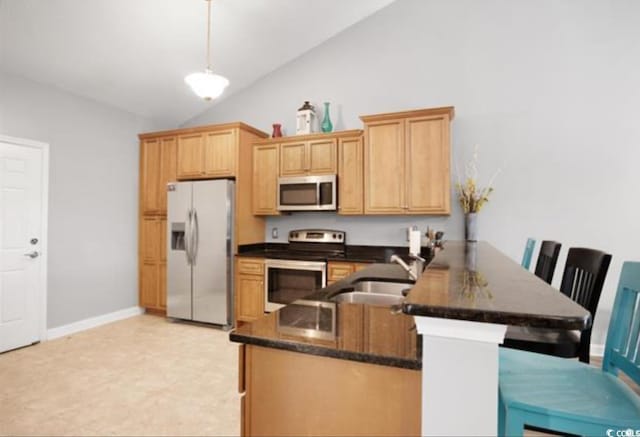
547 260
582 281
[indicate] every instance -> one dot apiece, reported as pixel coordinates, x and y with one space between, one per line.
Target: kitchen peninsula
362 364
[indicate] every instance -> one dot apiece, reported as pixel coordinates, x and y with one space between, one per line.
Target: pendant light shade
207 85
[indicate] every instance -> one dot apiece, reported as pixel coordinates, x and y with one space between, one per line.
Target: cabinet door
427 164
322 157
149 285
350 178
190 154
265 179
351 320
162 285
293 159
150 163
220 154
384 161
168 170
386 332
151 238
249 297
338 270
153 262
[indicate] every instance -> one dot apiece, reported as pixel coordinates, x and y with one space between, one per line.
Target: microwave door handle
318 188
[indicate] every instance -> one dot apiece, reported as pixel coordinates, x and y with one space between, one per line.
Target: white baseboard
597 350
93 322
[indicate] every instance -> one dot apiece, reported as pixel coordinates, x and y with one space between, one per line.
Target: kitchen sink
369 298
373 292
382 287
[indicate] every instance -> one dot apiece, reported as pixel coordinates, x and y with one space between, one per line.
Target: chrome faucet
396 259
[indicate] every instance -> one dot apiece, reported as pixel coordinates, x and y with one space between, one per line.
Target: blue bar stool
572 397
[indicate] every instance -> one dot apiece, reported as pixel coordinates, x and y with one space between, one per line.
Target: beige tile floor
140 376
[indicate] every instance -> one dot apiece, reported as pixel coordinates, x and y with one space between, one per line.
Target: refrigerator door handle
187 237
196 236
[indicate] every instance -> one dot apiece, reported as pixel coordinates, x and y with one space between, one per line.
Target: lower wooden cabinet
153 263
294 394
337 270
249 289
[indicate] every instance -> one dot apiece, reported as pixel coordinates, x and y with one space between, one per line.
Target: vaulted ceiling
134 54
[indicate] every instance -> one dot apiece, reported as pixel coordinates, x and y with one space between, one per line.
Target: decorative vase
327 126
470 256
471 226
277 130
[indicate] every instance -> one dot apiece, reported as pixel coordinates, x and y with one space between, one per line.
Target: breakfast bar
460 305
463 319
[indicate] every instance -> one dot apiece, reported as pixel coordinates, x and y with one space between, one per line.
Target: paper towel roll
414 242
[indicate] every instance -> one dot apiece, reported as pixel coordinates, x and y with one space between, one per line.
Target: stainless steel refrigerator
199 253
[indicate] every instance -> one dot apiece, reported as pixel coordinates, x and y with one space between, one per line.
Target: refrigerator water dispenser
177 236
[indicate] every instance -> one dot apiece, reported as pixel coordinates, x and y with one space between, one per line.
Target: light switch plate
274 233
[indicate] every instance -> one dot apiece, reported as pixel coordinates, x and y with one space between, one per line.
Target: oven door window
288 285
299 194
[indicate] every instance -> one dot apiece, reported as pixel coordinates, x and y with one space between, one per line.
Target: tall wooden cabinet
157 169
407 162
205 152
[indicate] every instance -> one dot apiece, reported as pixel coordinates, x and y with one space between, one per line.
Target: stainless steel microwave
307 193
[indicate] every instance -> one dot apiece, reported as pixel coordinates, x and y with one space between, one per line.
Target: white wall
548 89
93 195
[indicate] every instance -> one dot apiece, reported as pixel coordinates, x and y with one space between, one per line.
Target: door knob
32 255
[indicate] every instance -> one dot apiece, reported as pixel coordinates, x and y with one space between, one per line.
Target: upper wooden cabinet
157 168
220 153
406 162
265 179
300 158
350 176
207 154
314 154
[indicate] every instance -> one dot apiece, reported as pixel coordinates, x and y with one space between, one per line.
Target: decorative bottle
327 126
277 130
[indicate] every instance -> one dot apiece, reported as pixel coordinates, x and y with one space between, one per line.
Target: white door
21 227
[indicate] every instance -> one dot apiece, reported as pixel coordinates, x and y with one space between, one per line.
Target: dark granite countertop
353 253
479 283
367 333
466 282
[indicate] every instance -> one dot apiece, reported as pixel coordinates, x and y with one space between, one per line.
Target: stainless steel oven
288 280
307 193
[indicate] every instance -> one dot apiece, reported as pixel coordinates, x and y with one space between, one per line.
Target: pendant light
207 85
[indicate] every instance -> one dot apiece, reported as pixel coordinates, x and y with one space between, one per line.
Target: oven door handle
299 265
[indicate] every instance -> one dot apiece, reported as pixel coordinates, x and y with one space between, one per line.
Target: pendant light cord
209 35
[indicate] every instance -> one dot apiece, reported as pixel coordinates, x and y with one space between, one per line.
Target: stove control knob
340 236
334 236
